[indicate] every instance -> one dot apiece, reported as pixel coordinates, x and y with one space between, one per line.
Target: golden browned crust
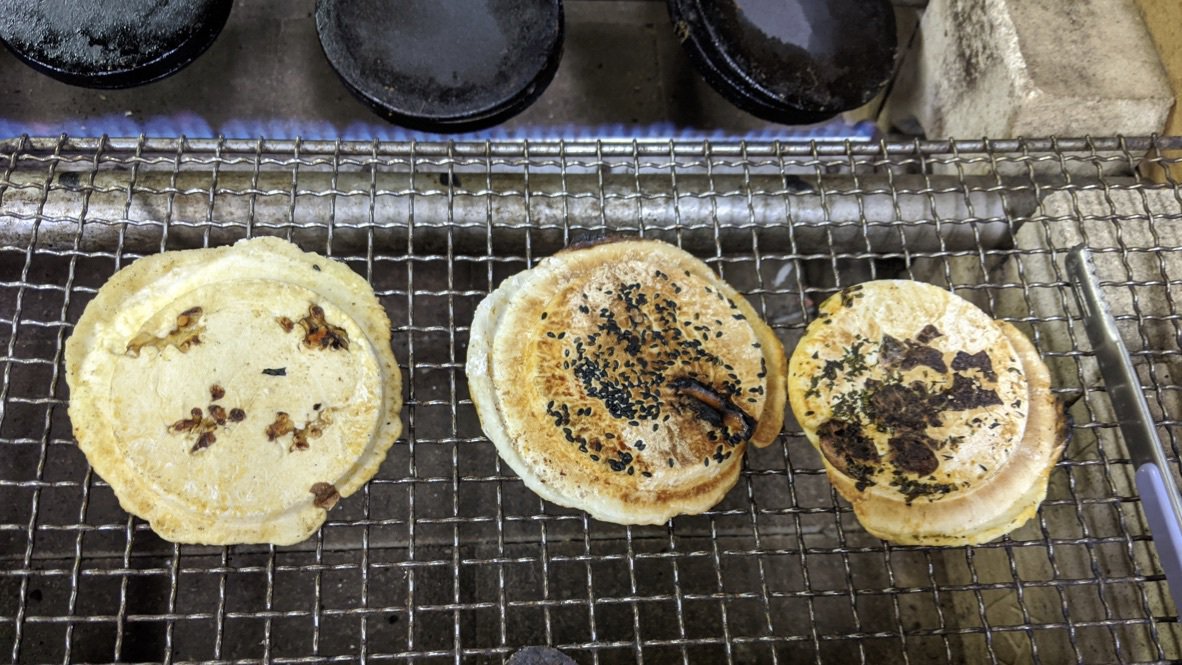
626 379
183 363
934 421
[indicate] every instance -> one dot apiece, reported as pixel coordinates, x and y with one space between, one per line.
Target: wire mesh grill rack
445 556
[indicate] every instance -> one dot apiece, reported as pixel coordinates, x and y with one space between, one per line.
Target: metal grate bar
975 151
446 556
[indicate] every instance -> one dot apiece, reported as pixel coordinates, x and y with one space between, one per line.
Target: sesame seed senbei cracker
626 379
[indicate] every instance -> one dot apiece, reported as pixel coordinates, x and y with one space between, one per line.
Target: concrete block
1009 68
1163 18
1121 226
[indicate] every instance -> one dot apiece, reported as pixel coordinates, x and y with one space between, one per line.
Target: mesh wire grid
445 555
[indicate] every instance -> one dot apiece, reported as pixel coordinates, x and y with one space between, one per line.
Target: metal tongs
1155 484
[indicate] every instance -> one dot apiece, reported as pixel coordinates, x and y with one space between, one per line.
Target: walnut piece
204 426
325 495
186 424
299 435
299 440
183 336
320 334
206 440
282 425
189 317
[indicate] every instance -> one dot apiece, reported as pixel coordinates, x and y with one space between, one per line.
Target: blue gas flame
194 126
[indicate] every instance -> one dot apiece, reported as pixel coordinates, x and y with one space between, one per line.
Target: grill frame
440 540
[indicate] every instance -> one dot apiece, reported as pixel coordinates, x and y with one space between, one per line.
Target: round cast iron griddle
790 61
110 43
443 65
